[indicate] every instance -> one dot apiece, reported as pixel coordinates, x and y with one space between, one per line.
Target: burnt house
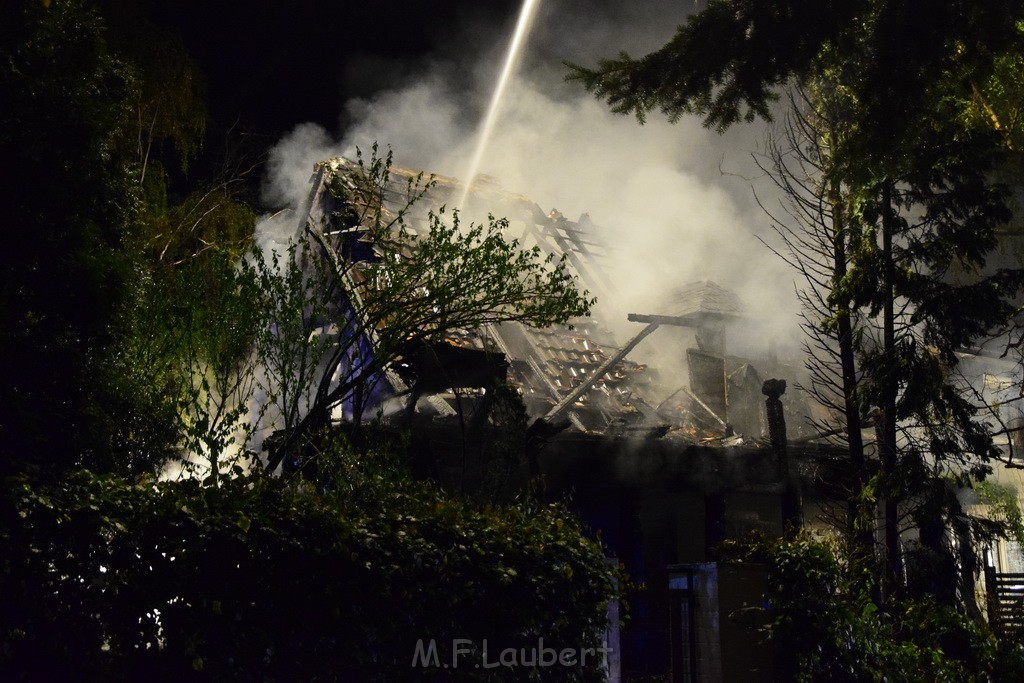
664 466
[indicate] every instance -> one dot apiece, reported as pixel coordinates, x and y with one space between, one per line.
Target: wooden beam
674 320
601 371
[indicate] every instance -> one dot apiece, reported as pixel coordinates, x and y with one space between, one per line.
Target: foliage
942 227
215 326
729 61
257 579
380 288
86 102
296 302
815 240
68 203
505 452
998 100
892 214
724 63
1004 506
194 333
168 106
205 220
923 214
132 331
825 626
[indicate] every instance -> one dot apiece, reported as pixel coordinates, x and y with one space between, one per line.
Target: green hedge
261 580
825 627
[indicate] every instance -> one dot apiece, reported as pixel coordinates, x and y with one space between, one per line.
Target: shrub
825 626
260 579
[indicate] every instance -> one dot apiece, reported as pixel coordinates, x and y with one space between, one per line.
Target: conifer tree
910 177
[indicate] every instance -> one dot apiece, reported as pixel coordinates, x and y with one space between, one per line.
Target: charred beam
773 389
601 371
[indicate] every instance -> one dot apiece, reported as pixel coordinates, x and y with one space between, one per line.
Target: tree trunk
887 429
863 538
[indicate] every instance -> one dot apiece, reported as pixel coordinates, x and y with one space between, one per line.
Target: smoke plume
675 203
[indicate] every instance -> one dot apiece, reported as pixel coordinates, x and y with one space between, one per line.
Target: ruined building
663 463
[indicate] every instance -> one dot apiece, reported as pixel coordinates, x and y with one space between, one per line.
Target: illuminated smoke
674 203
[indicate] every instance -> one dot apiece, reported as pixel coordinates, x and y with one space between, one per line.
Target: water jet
512 57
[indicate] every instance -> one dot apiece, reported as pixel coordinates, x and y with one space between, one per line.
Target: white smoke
675 202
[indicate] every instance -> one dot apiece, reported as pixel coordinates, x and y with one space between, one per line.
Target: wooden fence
1005 603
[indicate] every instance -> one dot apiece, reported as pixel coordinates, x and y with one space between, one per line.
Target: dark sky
272 64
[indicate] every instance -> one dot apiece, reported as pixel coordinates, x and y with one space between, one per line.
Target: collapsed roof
579 374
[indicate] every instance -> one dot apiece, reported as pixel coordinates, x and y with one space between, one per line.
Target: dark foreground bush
259 580
825 627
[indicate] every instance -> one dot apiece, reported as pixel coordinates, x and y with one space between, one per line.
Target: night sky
270 65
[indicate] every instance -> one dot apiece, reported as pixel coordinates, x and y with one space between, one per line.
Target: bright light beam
512 58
